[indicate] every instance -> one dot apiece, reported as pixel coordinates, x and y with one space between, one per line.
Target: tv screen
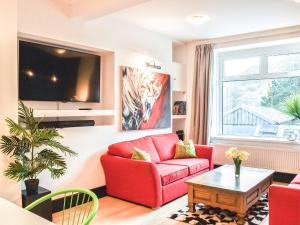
48 73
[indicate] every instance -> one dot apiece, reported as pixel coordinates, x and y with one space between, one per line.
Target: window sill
270 143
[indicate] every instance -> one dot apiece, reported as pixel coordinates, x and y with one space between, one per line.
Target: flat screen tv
48 73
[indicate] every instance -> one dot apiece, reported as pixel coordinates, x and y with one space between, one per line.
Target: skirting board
279 176
57 204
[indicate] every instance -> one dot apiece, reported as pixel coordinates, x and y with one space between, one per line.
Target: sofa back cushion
185 150
124 149
165 145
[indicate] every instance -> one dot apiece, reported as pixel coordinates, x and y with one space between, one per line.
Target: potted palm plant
292 108
33 150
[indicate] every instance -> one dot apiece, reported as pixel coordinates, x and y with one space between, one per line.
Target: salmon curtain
200 94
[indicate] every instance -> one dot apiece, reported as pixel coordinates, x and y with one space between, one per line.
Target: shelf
72 113
179 91
176 117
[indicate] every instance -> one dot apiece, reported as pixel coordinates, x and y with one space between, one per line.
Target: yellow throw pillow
185 150
138 154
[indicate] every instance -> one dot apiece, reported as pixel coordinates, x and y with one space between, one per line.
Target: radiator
280 160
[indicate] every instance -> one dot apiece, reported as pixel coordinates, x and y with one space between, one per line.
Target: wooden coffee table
220 188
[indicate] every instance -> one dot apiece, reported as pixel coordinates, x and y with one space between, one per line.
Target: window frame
263 53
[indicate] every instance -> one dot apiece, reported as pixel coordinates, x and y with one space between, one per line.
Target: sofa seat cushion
124 149
194 164
171 173
165 145
296 180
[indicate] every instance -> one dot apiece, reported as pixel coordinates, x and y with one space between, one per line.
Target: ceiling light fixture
197 20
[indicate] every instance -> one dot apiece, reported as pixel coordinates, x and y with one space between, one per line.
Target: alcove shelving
103 112
178 94
178 117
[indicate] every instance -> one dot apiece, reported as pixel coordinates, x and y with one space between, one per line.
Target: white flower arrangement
238 157
236 154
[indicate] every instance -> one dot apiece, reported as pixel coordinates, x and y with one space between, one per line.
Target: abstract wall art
145 99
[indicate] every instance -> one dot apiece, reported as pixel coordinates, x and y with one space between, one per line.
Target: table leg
192 207
241 218
191 198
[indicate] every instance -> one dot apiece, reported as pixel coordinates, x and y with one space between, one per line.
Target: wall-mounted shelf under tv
73 113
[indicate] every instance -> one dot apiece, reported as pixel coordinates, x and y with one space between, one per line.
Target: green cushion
138 154
185 150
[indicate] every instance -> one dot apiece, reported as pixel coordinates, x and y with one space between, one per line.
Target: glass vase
237 164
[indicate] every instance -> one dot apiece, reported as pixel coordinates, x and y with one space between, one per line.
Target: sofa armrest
206 152
284 205
133 180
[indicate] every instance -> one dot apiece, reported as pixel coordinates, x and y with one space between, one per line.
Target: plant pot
32 186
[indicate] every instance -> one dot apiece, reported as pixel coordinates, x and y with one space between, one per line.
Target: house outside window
250 89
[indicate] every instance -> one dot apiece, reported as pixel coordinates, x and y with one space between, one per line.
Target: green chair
84 201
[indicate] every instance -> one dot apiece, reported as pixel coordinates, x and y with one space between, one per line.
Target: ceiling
91 9
168 17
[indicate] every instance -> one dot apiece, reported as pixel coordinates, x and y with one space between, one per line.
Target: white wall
131 45
180 54
8 86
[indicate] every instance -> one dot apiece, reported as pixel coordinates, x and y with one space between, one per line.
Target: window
284 63
241 67
252 87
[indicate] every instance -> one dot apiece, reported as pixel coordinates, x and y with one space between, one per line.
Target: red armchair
284 204
152 183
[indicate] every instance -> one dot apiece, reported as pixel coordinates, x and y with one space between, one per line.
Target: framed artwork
146 97
179 108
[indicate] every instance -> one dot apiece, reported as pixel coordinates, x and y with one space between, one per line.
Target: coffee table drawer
202 193
226 199
266 185
254 196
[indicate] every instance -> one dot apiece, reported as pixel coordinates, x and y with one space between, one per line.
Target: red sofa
157 182
284 204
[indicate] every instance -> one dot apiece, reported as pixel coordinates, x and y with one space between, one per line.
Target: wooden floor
113 211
